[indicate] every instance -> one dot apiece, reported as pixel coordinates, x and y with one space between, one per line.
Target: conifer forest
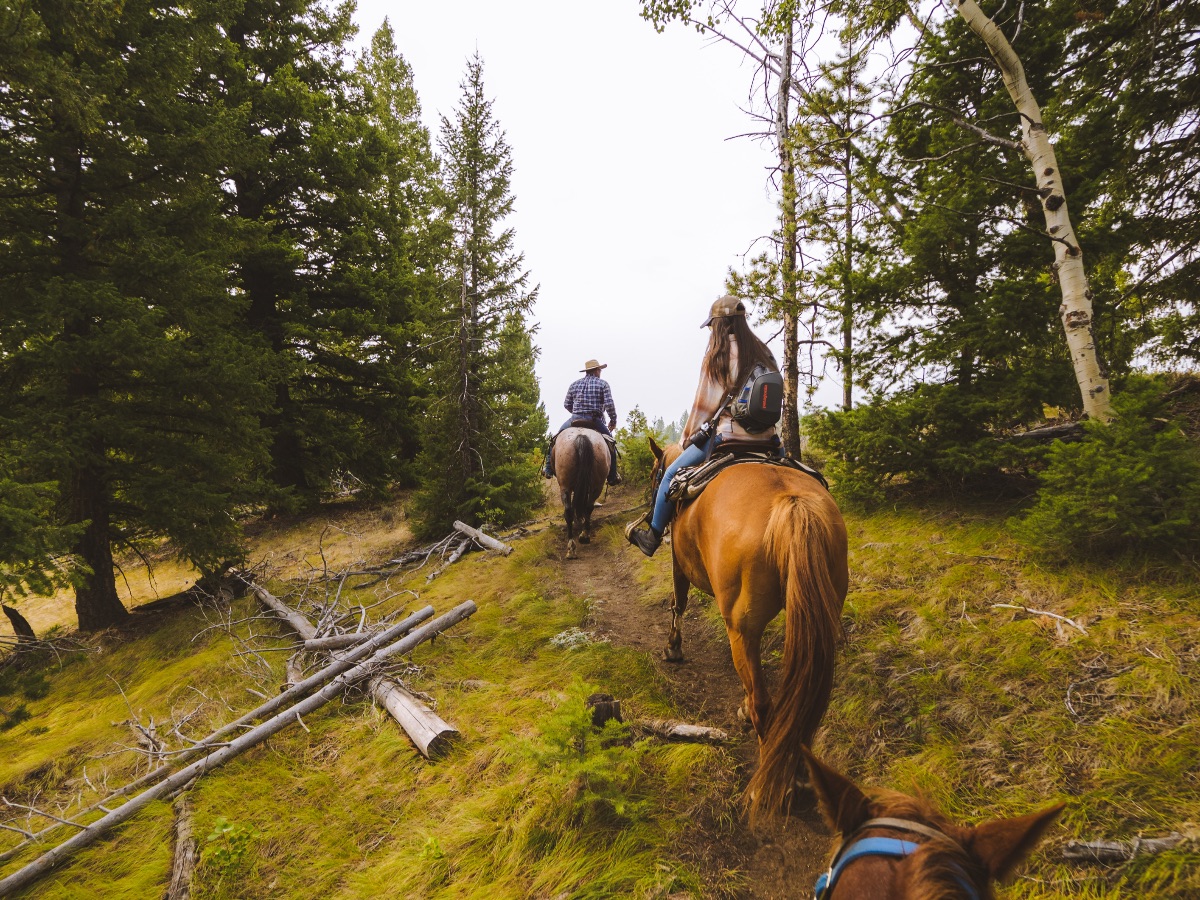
266 332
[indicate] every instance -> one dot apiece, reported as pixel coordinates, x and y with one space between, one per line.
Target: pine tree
317 179
407 206
126 383
485 422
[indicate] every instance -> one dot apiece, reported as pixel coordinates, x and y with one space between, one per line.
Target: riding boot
646 540
614 477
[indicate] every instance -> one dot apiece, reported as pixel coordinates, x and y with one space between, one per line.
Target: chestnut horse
761 539
581 466
896 847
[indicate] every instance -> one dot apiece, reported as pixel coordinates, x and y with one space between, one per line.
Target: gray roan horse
581 467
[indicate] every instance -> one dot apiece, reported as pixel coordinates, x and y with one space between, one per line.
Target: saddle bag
759 405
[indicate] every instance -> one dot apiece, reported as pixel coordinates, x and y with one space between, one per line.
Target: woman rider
733 352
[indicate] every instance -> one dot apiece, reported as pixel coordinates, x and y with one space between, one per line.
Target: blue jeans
663 508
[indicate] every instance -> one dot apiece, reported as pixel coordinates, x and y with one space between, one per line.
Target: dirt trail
778 863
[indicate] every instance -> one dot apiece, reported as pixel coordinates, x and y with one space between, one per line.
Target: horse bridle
853 848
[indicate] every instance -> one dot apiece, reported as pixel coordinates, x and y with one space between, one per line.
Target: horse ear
654 448
844 806
1002 844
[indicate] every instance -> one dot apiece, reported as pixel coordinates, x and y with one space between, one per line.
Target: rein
853 848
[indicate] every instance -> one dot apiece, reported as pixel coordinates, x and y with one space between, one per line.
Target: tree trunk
20 626
789 426
1076 310
96 602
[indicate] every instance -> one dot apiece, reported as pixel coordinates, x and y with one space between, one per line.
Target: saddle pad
690 481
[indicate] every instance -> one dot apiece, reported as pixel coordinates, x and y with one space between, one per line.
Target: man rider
589 398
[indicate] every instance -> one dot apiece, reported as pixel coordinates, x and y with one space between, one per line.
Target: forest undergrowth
989 682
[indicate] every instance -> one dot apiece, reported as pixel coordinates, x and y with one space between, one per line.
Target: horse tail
803 544
581 489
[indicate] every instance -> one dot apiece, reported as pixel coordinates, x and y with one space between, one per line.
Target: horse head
663 457
894 845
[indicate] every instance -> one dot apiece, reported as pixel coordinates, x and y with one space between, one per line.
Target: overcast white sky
632 200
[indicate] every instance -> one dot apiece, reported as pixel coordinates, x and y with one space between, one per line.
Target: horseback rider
589 398
733 353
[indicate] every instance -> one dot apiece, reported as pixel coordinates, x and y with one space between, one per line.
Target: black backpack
759 405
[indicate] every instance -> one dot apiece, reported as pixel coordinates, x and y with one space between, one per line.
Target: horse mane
935 869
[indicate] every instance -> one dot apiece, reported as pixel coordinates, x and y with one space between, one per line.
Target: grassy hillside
988 710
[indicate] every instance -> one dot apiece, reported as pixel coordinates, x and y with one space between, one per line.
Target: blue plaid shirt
591 396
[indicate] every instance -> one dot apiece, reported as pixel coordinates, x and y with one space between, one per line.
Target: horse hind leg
679 598
756 704
569 515
585 530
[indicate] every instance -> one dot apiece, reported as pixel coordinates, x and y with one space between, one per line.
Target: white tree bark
1076 307
482 539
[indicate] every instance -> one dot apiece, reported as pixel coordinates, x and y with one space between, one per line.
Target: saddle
690 481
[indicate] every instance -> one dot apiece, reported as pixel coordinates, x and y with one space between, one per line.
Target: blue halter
892 848
872 846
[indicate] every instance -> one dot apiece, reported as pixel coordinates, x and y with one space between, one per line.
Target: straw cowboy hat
593 364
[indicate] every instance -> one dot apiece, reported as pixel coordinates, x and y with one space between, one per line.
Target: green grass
938 692
942 693
529 802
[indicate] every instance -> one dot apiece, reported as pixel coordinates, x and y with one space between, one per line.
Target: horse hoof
673 656
584 539
571 554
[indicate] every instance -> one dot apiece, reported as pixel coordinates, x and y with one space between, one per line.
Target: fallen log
462 547
337 641
429 733
482 539
90 834
278 702
681 731
185 854
1120 851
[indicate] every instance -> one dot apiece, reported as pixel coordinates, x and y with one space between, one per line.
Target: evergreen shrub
635 459
1131 484
932 434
